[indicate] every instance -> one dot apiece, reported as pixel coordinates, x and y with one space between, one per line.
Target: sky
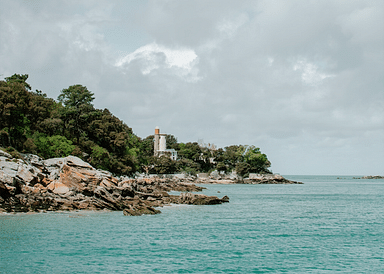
303 80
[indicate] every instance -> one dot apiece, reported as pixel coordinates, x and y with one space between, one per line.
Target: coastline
66 184
69 184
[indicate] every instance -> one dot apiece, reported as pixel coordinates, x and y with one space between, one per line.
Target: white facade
163 143
160 145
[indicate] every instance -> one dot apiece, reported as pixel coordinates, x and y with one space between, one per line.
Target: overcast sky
302 80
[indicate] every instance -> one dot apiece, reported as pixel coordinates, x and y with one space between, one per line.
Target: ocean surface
326 225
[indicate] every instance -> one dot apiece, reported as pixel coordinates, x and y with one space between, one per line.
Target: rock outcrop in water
268 179
34 184
253 179
370 177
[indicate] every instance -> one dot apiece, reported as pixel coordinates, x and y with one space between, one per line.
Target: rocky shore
34 184
31 184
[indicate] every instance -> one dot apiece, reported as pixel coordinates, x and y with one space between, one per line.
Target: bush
53 146
100 158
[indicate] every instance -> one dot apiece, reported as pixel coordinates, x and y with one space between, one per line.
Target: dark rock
4 192
127 192
370 177
200 199
139 210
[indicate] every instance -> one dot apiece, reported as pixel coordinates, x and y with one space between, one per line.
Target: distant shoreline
374 177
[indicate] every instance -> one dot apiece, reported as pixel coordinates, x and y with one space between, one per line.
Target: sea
329 224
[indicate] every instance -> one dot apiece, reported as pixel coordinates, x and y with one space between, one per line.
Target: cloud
301 80
153 57
310 73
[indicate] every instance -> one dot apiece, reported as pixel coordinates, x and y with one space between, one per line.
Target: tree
242 169
19 78
233 155
14 105
221 167
145 152
77 101
188 166
43 114
171 141
76 96
163 165
257 161
190 151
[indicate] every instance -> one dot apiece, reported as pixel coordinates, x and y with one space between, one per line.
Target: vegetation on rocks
30 122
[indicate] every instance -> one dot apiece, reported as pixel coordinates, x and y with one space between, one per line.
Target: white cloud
155 57
229 27
310 73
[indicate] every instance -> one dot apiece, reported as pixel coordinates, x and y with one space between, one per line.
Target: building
160 145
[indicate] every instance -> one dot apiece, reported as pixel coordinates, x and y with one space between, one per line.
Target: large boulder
138 209
200 199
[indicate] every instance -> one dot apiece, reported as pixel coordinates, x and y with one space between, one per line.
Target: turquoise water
326 225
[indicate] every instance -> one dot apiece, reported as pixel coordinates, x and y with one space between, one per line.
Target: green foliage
100 158
188 166
14 106
242 169
19 78
52 146
13 152
221 167
190 151
4 137
171 141
163 165
76 96
233 155
257 161
77 101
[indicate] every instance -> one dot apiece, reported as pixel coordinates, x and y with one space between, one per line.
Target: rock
140 209
77 162
225 199
5 154
6 178
200 199
27 174
9 167
4 192
268 179
113 201
370 177
33 160
127 192
58 188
